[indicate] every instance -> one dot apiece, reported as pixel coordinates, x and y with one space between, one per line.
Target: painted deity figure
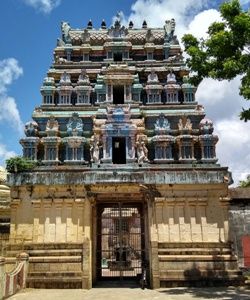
171 78
184 125
94 149
65 78
52 126
169 28
142 152
188 124
83 77
31 128
152 77
162 124
75 125
65 28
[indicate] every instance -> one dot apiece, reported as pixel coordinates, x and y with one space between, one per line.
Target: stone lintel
182 201
36 203
47 203
15 203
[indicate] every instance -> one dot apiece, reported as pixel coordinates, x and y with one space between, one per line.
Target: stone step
190 265
59 266
194 245
49 274
58 259
192 251
66 282
44 246
202 282
196 274
197 258
57 252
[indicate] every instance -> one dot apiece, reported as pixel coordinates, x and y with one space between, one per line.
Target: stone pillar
36 225
69 220
14 205
2 277
87 246
224 201
47 205
153 246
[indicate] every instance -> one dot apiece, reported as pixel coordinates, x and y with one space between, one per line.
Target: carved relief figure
52 126
83 76
162 124
185 124
152 77
75 126
169 28
31 128
171 77
94 149
65 28
142 152
188 124
65 78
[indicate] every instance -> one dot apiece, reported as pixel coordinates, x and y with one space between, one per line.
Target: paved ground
135 294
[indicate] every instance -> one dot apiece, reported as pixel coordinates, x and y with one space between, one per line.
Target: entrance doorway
118 94
118 150
120 241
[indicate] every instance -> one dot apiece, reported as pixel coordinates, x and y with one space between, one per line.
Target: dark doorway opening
118 150
118 94
120 241
117 56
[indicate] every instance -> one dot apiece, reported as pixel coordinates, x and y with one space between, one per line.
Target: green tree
226 52
245 183
19 164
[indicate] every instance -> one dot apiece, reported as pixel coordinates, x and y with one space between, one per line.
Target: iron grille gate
120 241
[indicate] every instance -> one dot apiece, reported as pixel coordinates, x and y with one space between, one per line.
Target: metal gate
120 241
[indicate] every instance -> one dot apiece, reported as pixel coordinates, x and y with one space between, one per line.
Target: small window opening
118 56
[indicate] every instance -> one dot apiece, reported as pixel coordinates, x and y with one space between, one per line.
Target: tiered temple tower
126 175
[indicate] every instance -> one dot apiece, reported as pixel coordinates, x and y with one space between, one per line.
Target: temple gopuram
126 185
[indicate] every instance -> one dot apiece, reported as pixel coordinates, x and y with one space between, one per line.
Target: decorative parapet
153 88
162 140
139 175
12 282
172 89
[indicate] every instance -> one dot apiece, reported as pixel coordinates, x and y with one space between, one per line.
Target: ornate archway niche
118 125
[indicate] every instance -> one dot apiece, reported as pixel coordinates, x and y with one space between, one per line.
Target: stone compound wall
239 218
49 219
189 232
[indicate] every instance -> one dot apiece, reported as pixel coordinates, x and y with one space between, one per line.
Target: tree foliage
19 164
226 52
245 183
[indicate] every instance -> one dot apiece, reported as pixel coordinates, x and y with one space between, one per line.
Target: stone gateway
126 184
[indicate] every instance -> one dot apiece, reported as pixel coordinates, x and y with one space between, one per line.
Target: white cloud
244 2
223 104
9 71
156 12
221 99
200 23
45 6
5 154
10 114
233 148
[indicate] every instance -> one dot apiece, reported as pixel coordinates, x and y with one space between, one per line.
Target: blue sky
28 36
